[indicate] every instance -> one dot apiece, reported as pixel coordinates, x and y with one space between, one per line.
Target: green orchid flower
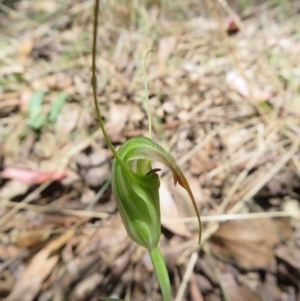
135 186
136 194
136 189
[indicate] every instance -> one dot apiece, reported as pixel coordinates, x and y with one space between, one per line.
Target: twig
186 276
49 209
237 216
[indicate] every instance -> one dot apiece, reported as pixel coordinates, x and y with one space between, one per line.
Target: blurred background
224 81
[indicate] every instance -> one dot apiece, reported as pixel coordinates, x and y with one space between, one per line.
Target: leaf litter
223 88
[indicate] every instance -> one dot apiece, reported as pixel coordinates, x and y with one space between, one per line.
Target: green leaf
57 106
35 110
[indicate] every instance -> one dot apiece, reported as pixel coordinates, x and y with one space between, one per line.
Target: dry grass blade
273 171
237 216
259 151
208 232
49 209
186 276
27 200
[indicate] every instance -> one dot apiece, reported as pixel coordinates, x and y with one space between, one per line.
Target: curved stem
94 85
161 273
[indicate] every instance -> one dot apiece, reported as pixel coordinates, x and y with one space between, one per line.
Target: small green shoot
57 106
35 110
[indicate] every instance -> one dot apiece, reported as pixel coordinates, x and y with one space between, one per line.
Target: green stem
94 85
161 273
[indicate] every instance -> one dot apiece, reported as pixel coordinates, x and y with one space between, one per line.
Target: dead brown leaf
31 238
248 242
31 279
237 292
39 268
284 228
